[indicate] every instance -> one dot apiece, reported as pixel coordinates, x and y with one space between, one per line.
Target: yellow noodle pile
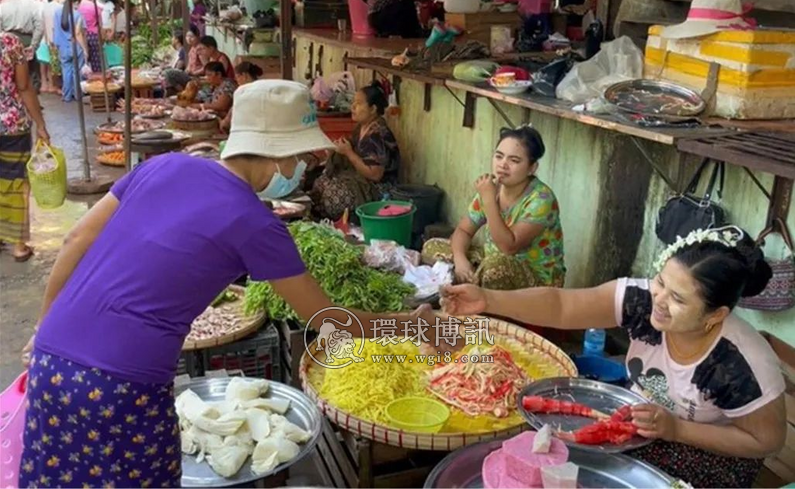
365 388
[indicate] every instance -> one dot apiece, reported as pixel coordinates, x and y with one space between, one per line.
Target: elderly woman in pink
90 10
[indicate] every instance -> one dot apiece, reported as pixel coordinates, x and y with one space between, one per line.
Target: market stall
377 424
613 175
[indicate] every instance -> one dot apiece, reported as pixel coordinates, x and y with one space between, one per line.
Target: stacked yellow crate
757 74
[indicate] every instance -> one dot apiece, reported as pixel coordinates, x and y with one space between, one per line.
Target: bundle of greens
338 268
143 46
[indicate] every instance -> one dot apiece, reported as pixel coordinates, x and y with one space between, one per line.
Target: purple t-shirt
185 228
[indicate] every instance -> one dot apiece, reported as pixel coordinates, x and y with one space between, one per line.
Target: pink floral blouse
13 117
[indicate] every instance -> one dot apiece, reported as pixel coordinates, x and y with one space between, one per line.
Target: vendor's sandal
24 257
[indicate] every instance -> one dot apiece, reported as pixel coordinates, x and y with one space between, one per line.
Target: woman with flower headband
715 384
520 214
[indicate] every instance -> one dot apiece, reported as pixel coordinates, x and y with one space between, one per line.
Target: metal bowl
303 413
463 469
597 395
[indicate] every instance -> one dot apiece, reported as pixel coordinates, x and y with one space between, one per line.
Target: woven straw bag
779 295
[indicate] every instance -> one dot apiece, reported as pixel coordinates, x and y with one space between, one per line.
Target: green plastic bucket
394 228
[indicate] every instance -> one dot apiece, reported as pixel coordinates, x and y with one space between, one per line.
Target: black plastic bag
546 80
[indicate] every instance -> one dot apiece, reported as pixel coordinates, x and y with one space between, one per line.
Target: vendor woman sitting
715 384
245 73
365 167
524 238
219 99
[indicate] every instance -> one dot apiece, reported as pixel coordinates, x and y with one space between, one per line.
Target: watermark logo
335 340
335 343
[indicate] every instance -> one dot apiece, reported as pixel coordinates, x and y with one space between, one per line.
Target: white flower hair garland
727 236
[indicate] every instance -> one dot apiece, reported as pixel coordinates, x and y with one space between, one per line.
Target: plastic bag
321 92
342 82
428 280
619 60
42 160
389 256
337 90
546 80
474 71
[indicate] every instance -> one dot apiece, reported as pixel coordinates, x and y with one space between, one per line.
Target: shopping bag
47 175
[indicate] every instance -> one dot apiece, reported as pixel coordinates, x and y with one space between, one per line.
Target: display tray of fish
238 430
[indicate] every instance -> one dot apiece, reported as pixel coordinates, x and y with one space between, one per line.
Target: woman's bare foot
22 252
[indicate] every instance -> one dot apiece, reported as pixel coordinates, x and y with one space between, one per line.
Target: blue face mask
280 185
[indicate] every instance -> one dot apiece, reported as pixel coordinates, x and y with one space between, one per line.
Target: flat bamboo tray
445 441
250 326
103 158
195 126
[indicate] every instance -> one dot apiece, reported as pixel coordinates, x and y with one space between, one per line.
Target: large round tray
439 441
462 468
252 324
102 157
638 97
302 413
597 395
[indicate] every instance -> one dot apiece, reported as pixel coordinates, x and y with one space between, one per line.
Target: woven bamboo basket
445 441
250 325
196 126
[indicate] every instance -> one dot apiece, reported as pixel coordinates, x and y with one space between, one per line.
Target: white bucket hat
711 16
276 119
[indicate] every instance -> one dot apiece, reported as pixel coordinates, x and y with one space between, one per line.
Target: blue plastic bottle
594 342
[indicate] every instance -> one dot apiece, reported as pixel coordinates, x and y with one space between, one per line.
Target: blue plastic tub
601 369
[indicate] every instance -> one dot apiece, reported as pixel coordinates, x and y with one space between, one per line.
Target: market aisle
22 284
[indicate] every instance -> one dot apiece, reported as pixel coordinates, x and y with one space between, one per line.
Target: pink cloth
89 14
717 14
394 210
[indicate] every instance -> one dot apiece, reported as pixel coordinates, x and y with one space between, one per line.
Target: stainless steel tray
302 412
597 395
654 98
462 468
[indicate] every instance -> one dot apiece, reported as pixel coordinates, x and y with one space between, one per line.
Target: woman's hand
225 125
43 135
458 300
26 351
464 272
344 147
486 188
655 422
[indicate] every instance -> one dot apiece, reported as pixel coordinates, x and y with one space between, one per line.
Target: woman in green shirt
523 235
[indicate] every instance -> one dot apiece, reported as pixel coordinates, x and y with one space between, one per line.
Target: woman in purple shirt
136 271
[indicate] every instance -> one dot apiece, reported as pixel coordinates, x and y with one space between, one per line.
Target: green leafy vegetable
225 296
338 268
142 44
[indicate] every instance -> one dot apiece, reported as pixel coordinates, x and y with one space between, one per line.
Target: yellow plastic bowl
417 414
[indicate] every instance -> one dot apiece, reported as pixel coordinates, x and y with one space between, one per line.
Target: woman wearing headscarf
19 106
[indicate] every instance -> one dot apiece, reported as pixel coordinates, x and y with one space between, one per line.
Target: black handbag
686 212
